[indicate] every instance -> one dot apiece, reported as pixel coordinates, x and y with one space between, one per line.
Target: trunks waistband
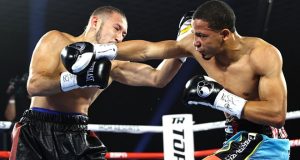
55 116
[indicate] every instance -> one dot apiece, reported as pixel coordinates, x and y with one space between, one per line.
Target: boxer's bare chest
239 77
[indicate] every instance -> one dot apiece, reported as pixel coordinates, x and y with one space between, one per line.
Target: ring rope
140 129
136 129
149 155
130 155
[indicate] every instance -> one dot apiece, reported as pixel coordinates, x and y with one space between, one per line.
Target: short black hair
218 14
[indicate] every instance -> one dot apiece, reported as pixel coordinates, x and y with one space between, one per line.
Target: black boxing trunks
51 135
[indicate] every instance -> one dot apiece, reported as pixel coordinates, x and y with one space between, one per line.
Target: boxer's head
108 25
212 23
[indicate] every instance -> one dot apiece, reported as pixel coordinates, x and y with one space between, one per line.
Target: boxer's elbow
34 87
279 120
278 124
159 82
280 114
278 117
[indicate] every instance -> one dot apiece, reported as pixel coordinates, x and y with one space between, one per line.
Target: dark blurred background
22 23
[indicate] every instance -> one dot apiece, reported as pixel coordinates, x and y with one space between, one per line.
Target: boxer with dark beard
67 73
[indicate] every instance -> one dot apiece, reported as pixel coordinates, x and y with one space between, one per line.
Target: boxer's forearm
139 74
43 86
265 112
140 50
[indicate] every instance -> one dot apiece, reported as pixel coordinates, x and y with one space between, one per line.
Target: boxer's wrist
68 81
108 51
229 103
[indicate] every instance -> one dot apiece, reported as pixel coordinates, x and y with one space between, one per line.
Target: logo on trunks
178 142
241 147
204 88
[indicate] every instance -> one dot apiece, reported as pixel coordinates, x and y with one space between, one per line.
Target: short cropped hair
105 10
218 14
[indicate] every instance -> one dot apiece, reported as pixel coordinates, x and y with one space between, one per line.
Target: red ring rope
129 155
152 155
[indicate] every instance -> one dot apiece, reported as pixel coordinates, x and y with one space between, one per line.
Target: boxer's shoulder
54 41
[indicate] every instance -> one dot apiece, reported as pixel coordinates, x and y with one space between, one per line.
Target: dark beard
203 56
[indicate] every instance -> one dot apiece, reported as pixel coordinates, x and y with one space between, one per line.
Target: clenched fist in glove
205 91
97 75
185 28
78 57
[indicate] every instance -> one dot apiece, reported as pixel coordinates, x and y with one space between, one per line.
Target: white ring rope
140 129
133 129
137 129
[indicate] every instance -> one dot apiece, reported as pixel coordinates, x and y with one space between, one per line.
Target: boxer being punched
67 73
245 81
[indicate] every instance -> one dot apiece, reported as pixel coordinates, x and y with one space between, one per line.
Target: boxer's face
112 30
207 41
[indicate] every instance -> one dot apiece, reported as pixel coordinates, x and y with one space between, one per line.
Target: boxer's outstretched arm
144 75
140 50
272 107
138 74
45 66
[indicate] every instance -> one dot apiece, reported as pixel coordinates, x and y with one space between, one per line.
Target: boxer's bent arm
140 50
138 74
45 66
272 107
